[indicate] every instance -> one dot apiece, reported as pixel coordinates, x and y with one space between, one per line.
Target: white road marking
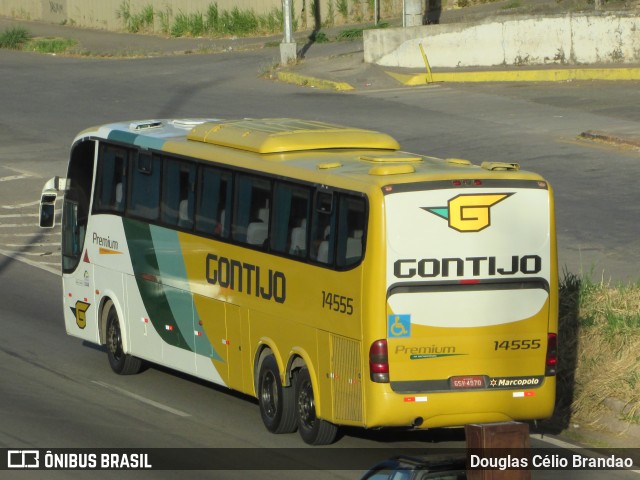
23 245
18 215
51 234
14 177
20 205
142 399
41 266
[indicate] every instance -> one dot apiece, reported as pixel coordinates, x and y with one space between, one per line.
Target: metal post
412 14
288 52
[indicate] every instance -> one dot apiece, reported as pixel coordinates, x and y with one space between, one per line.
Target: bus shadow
568 334
6 260
149 366
396 435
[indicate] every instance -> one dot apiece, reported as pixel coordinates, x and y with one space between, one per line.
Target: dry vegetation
599 350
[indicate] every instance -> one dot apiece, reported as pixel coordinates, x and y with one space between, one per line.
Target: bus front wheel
120 362
276 401
312 429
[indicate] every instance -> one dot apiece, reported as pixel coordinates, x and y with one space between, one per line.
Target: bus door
468 287
80 312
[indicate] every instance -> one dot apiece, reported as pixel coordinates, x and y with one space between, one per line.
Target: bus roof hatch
277 135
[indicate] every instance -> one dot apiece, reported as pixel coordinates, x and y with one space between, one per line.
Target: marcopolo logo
469 212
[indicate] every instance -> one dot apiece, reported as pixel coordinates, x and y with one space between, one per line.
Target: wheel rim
306 406
269 395
115 339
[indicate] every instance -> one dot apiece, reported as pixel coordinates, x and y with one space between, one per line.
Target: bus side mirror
48 200
47 209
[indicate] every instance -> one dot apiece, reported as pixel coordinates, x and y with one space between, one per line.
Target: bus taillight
552 354
379 362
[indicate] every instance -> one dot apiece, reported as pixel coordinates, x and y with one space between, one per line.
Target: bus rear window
338 229
351 223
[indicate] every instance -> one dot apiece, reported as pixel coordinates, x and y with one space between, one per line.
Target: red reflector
457 183
468 282
477 182
552 349
552 354
86 257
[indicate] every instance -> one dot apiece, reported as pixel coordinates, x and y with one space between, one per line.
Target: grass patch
50 45
19 38
212 21
512 4
14 38
350 34
136 22
599 348
354 33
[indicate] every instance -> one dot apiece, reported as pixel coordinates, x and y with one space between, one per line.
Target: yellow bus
316 267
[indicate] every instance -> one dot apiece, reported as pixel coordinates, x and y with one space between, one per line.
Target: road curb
544 75
306 81
604 137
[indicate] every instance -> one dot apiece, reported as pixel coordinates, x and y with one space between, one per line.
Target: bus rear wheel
276 401
121 363
312 429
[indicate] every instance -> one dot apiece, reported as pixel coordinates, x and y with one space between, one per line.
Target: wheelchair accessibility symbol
399 326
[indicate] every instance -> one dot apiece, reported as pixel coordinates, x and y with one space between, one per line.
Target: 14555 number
528 344
337 303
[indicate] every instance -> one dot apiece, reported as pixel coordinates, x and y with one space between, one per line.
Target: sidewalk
335 65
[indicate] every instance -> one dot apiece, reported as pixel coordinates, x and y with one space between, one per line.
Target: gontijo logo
469 212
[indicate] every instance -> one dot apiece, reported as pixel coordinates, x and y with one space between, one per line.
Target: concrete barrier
568 39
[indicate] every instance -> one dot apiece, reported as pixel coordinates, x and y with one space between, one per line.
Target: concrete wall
570 39
103 14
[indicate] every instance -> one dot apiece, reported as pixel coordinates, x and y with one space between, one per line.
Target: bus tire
312 429
121 363
277 407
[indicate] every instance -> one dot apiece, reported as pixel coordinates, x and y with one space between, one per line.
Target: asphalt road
56 391
47 100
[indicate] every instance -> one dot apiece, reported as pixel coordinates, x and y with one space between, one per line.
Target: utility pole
411 13
288 49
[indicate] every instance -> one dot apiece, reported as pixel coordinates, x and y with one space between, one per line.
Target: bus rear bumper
454 409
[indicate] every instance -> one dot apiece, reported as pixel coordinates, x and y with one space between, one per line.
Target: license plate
472 381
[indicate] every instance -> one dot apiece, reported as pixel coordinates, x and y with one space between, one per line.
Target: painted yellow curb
305 81
547 75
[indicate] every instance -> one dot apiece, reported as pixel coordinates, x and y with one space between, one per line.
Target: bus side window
144 197
178 193
323 228
111 184
213 198
289 230
351 224
251 210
